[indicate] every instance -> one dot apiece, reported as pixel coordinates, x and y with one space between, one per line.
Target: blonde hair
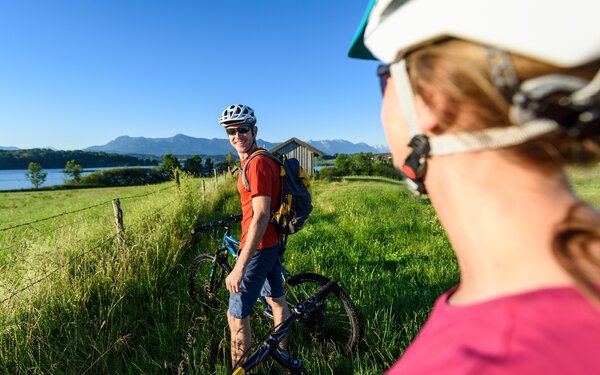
459 71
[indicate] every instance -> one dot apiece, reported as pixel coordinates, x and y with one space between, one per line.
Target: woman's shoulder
534 330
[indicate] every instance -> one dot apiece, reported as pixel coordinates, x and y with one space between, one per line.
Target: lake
14 179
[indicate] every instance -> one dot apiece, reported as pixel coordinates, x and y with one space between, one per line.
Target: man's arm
261 208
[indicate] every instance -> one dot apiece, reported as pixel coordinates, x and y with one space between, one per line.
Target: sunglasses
240 129
383 72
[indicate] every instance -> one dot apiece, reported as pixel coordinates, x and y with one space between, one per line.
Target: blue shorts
262 277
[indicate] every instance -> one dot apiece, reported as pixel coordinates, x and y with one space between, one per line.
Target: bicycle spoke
335 322
204 288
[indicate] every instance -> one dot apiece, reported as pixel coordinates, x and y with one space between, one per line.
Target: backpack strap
255 154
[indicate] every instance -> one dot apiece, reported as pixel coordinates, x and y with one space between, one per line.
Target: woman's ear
427 119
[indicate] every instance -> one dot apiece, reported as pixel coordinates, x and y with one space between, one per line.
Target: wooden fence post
177 178
119 221
216 181
203 190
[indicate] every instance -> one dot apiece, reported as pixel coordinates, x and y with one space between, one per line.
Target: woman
494 99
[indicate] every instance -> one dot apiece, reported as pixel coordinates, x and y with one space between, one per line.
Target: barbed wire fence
24 250
33 252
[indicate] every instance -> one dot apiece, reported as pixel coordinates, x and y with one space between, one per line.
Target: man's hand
234 279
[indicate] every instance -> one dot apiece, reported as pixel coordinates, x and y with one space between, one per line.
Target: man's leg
281 312
241 337
278 304
240 304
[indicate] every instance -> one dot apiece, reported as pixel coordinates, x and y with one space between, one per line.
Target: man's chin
240 148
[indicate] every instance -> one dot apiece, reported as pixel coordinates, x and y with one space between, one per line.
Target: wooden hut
295 148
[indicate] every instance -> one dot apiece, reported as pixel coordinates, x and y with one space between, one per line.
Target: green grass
81 303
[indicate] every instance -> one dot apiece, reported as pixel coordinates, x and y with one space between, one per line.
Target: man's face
240 137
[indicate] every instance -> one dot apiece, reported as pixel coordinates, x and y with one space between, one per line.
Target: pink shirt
551 331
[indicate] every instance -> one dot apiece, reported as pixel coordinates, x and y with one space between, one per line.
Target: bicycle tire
203 287
336 322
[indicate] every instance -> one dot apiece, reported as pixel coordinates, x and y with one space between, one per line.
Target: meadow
74 300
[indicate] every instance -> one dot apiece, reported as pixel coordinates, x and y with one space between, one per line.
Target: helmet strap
405 96
253 144
415 165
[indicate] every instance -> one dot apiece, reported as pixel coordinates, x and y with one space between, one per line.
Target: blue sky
79 73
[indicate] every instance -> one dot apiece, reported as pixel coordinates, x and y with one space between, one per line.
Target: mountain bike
334 320
270 346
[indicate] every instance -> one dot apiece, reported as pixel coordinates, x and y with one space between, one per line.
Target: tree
229 160
193 165
361 164
73 170
384 166
221 166
170 163
36 174
208 165
342 163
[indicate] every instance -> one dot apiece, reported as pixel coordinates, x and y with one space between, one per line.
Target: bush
388 170
126 177
328 174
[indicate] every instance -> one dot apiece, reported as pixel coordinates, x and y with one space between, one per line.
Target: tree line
73 170
20 159
197 166
361 164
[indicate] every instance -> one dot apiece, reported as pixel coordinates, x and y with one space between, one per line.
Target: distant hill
8 148
20 159
177 145
185 145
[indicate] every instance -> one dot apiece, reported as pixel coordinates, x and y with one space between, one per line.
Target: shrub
328 174
126 177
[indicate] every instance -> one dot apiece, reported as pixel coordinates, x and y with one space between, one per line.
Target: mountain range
181 144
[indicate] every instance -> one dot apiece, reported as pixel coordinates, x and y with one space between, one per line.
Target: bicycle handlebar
270 347
223 223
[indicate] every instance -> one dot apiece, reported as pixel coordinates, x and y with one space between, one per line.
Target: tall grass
90 305
81 303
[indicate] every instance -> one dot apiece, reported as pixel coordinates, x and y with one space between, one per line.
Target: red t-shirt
553 331
263 177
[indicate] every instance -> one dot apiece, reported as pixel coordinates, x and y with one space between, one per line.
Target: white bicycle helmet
562 33
237 114
557 32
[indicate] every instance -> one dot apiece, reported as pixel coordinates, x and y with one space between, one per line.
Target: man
258 267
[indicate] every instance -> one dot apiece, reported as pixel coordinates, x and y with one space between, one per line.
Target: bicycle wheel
205 280
336 321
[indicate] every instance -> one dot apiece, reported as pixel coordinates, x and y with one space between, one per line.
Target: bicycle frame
270 347
232 245
217 265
